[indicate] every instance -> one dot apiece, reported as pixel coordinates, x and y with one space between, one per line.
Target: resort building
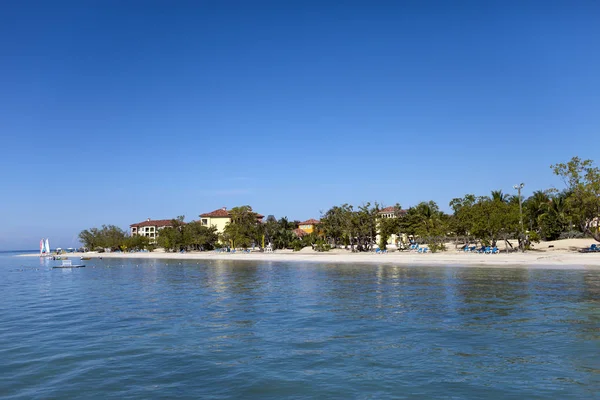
308 226
150 228
220 218
392 212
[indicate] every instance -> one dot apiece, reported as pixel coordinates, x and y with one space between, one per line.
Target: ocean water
140 329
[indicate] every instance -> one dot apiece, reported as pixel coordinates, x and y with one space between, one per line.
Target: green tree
426 222
486 219
497 195
534 207
199 237
109 237
244 228
355 228
171 238
137 242
336 225
582 180
387 227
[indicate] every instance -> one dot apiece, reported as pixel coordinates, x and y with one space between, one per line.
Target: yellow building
308 226
219 219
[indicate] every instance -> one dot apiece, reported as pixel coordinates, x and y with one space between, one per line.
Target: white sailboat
47 246
42 247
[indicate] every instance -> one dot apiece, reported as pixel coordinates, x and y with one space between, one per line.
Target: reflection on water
149 328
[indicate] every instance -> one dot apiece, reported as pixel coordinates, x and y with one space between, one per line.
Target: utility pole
518 188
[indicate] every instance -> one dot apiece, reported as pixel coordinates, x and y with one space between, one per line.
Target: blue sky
112 112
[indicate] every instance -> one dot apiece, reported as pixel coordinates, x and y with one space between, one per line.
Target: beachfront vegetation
280 233
582 200
343 225
191 236
244 229
483 220
111 237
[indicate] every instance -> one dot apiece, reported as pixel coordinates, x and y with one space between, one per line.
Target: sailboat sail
47 246
41 246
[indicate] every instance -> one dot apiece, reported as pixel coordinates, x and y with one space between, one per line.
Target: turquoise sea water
219 330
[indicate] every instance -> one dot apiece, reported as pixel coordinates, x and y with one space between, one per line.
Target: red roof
392 209
311 221
299 232
153 222
220 213
223 213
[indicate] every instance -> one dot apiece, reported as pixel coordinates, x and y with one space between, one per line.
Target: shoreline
532 259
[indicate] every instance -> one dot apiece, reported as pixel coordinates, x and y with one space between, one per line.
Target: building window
204 221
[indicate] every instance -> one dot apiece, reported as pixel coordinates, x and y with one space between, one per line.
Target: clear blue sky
115 111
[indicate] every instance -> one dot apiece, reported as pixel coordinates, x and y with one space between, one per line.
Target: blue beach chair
592 249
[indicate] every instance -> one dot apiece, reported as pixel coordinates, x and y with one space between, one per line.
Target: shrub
435 247
571 235
297 245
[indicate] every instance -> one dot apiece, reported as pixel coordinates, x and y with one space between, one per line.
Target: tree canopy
244 229
548 214
582 200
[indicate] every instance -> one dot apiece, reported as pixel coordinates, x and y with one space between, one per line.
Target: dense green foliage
486 219
582 195
279 233
345 225
192 236
547 215
111 237
244 230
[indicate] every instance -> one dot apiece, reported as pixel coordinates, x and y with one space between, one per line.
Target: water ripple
217 330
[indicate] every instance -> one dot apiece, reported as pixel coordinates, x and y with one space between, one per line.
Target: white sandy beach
557 254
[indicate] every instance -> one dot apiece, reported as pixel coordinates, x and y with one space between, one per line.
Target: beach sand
560 254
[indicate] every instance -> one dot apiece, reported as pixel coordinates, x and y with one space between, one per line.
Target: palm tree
535 206
497 195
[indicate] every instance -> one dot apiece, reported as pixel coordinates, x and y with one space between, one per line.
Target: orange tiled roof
223 213
220 213
299 232
391 209
153 222
311 221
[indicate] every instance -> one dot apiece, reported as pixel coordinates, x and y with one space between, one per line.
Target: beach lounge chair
592 249
422 250
495 250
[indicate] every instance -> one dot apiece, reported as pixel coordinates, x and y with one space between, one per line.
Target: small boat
85 258
69 264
